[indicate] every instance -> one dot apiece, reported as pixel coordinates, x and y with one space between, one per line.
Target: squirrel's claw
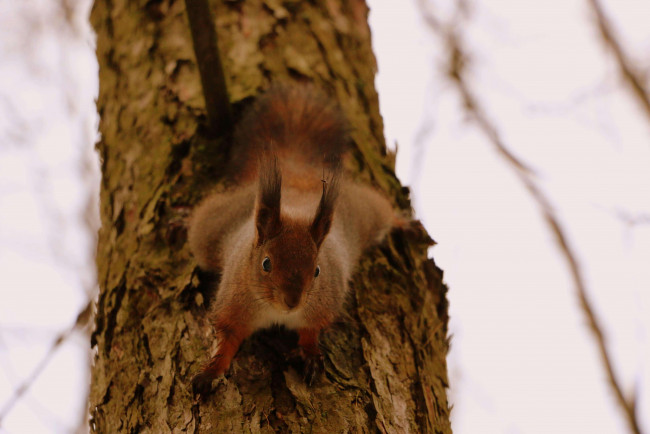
202 384
312 364
313 368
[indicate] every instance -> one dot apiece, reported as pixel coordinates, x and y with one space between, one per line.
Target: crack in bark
110 321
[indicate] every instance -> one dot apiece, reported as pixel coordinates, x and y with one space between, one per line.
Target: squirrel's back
299 125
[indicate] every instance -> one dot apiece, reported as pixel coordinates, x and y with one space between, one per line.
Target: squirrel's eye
317 271
266 264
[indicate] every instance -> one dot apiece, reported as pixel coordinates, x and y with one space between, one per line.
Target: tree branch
456 69
473 108
627 69
632 220
82 320
204 39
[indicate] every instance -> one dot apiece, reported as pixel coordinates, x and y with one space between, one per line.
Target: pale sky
522 360
48 82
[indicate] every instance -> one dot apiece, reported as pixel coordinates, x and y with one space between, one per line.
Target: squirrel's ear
325 212
267 218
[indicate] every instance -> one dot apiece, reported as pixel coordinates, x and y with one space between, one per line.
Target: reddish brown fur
308 340
269 234
299 124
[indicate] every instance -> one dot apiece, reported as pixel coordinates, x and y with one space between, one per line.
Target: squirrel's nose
291 300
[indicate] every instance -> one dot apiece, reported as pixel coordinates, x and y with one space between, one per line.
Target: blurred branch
68 9
626 67
457 61
84 416
527 179
204 39
632 220
82 320
628 406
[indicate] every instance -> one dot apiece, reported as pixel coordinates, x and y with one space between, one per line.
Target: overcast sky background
48 174
522 360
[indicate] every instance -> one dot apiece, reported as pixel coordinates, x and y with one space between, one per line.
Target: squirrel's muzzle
292 299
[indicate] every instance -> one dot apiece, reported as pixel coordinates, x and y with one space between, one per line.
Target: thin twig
81 321
527 178
204 39
628 71
456 69
632 220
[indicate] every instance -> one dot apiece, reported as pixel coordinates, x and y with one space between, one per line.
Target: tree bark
384 364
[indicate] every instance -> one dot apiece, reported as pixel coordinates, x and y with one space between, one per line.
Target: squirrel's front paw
313 368
202 383
311 364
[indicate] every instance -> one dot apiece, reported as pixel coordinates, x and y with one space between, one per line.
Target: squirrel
285 240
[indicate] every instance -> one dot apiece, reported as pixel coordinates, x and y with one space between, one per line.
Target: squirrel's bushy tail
299 124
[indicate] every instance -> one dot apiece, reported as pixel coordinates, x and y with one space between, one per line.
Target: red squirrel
285 241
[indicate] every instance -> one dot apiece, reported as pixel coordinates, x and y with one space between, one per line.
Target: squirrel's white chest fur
271 316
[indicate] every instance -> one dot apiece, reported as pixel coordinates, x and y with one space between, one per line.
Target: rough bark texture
384 361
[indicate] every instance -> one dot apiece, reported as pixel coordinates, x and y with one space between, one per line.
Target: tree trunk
384 365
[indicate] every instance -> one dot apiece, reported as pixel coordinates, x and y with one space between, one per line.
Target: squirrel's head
286 251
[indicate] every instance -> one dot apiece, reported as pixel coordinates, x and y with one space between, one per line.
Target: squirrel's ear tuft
267 218
322 223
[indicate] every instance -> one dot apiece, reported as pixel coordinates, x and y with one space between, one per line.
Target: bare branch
456 69
627 69
82 320
474 109
204 39
632 220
